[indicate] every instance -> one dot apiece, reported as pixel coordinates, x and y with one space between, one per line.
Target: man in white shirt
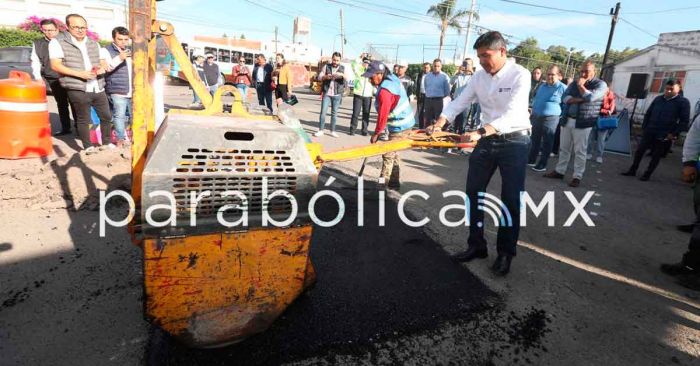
81 62
501 88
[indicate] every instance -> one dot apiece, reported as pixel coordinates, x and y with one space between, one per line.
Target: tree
224 35
242 36
558 54
448 17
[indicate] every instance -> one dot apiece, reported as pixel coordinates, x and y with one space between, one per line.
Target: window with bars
661 77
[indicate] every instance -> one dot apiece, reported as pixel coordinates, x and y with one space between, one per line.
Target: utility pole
275 40
469 29
342 35
610 37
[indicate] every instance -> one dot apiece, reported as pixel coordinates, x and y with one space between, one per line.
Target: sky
401 28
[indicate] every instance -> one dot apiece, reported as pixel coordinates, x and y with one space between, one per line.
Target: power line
639 29
663 11
553 8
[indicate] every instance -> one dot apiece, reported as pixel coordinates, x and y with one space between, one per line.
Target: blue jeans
213 89
599 137
120 107
244 91
543 130
196 99
510 157
334 101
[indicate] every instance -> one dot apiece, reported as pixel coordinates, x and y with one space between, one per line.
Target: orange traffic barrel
25 131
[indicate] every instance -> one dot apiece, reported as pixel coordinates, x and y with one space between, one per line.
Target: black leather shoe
645 177
501 266
677 269
62 133
629 173
470 254
364 133
688 228
352 132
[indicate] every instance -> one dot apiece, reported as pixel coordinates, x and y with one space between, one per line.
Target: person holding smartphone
118 82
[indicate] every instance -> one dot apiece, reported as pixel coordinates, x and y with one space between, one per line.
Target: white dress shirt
503 98
56 52
36 64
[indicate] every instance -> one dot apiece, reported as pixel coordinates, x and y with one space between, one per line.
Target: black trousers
433 108
420 106
364 103
61 97
81 102
691 258
264 95
657 144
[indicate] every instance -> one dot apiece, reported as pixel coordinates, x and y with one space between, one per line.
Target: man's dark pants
360 102
264 95
691 258
81 103
544 129
654 141
432 109
510 157
420 109
61 97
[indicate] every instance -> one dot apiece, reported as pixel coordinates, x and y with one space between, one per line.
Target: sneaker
551 155
575 182
384 136
318 133
90 150
599 160
531 164
334 134
589 157
535 168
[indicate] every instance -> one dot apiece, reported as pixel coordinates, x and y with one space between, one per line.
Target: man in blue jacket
665 118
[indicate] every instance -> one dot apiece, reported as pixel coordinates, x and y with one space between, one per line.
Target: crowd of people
86 77
516 117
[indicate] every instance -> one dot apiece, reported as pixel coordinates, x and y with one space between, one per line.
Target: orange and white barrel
25 130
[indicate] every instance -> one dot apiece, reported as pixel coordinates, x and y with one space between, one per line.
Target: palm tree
449 17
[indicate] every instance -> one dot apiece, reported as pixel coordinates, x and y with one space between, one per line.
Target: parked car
15 58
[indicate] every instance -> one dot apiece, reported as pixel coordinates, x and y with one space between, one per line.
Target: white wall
101 17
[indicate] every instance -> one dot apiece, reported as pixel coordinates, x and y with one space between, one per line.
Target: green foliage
449 69
449 17
242 36
105 42
16 37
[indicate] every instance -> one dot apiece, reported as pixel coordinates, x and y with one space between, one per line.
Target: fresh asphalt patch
373 283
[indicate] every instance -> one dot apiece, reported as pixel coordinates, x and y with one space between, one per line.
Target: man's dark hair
74 16
119 30
47 22
426 63
673 82
537 68
491 40
337 54
437 60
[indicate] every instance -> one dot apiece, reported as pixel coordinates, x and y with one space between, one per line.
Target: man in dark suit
420 93
262 79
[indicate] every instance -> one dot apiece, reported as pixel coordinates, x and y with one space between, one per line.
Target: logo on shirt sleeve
505 90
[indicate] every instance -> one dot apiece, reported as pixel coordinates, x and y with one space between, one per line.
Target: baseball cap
210 55
373 68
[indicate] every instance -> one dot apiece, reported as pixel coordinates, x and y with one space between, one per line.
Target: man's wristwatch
481 131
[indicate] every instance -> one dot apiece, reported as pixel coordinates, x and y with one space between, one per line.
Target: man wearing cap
211 74
502 88
394 113
362 96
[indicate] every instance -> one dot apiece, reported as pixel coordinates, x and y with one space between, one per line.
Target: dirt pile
71 181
